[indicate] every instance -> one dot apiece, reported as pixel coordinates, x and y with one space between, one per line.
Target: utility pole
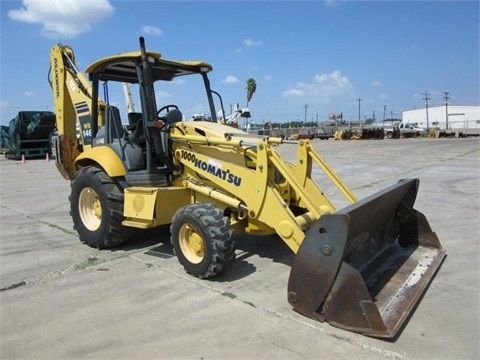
384 109
305 121
446 98
426 98
359 108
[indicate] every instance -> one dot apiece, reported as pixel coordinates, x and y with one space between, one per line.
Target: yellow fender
104 156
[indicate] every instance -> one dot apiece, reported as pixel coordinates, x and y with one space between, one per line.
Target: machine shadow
156 242
148 239
266 247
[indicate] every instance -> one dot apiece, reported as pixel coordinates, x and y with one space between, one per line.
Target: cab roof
122 67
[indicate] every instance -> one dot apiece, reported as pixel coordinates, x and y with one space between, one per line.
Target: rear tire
202 240
96 207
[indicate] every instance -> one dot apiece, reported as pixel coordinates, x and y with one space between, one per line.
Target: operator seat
113 124
133 119
173 116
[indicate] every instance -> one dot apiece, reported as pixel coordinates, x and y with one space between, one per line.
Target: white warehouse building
460 117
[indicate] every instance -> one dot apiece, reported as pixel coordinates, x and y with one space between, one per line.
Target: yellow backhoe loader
362 268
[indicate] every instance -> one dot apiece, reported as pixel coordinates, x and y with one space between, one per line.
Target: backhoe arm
72 95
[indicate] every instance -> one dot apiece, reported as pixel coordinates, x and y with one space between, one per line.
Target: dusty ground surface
62 300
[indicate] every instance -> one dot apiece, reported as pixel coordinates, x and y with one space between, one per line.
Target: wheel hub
196 243
191 243
97 208
90 209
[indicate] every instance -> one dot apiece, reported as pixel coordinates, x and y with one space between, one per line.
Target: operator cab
142 142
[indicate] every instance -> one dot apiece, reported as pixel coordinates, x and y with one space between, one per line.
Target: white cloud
151 30
376 83
250 42
160 95
334 82
332 3
323 87
62 18
295 91
178 81
230 79
29 93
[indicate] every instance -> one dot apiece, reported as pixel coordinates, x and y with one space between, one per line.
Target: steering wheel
166 107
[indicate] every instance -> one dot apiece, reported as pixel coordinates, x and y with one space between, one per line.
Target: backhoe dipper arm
72 95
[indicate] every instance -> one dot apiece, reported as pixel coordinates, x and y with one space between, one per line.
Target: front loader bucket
364 268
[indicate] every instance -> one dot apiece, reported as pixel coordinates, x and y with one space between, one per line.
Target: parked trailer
30 134
4 146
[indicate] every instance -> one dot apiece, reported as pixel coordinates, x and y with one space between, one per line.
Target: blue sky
324 54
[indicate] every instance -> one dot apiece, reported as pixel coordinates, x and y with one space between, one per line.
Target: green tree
251 88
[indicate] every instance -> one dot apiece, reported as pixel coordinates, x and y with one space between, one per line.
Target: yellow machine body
362 268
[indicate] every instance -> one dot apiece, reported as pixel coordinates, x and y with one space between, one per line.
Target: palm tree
251 88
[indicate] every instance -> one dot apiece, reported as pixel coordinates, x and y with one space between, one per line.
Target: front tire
202 240
96 207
